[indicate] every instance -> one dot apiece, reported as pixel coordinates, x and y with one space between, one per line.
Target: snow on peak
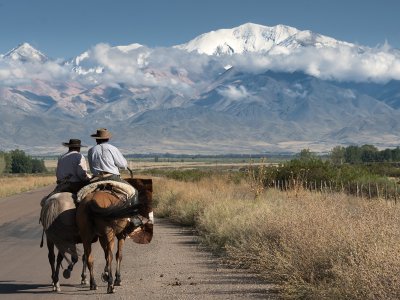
252 37
26 53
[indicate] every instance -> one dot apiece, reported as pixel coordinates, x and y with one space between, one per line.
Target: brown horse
58 219
103 214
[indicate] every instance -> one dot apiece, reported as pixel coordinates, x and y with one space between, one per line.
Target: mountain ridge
248 97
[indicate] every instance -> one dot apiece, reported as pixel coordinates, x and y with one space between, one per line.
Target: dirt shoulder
172 266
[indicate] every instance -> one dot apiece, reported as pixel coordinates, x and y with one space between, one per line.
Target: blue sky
65 28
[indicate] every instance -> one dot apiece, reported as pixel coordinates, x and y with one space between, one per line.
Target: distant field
141 164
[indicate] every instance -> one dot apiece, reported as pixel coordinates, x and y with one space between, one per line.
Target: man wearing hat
72 169
105 160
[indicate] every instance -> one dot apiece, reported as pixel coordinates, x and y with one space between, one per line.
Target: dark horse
101 213
58 217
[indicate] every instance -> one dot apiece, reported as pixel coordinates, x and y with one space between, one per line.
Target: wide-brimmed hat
101 134
74 143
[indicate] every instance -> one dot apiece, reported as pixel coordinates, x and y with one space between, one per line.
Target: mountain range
249 89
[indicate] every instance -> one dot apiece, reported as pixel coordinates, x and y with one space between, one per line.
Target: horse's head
144 233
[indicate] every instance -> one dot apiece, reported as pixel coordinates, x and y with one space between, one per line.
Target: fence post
357 190
377 190
362 185
369 189
386 192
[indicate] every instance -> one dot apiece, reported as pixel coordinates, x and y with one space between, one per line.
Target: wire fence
369 190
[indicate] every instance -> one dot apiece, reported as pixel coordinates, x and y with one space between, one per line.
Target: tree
20 162
337 155
306 155
38 166
396 154
352 155
369 153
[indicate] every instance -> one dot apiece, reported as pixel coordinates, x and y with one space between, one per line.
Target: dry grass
316 246
18 184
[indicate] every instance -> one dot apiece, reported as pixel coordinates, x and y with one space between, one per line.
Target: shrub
20 162
16 161
38 166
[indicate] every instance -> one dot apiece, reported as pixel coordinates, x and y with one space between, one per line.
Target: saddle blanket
119 187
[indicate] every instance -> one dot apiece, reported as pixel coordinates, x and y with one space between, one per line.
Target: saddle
123 191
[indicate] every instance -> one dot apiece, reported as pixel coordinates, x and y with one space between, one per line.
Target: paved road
172 266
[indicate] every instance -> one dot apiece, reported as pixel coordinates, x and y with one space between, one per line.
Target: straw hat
101 134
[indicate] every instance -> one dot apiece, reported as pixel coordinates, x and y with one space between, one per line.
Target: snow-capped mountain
247 89
251 37
26 53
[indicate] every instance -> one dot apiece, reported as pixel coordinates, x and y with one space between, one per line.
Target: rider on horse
71 169
104 158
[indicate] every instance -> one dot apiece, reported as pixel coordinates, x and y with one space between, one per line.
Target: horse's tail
113 209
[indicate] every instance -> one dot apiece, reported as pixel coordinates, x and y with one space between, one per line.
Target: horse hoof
67 274
104 277
117 283
84 282
93 287
57 288
110 290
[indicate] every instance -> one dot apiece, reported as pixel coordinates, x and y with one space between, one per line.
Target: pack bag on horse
58 213
112 207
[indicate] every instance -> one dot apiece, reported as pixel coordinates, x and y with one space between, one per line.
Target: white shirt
72 164
106 158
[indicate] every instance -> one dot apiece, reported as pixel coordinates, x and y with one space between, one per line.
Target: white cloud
234 92
187 72
345 63
15 72
142 66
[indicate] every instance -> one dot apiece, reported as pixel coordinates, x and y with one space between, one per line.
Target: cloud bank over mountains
250 48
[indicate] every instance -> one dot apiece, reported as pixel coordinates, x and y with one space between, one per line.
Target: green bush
16 161
38 166
317 170
20 162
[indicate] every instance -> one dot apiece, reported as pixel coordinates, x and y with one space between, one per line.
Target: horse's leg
56 279
83 274
52 259
87 245
86 232
107 243
118 258
71 263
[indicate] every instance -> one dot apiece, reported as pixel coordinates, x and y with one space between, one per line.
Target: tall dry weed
18 184
317 246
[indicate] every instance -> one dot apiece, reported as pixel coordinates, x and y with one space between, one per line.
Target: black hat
76 143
